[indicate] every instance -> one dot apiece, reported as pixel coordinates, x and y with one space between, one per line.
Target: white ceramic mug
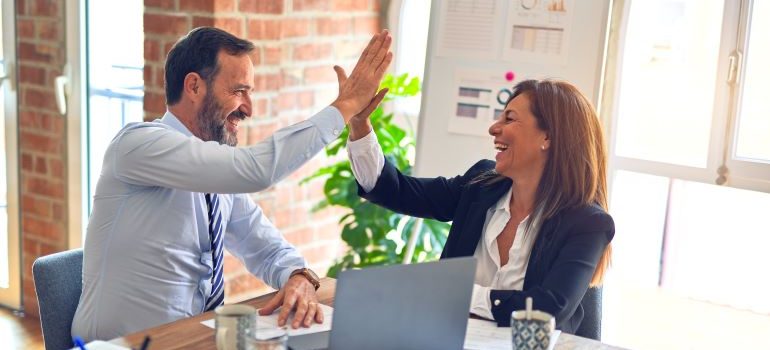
235 324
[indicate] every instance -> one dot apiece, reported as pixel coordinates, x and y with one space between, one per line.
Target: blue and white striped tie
217 296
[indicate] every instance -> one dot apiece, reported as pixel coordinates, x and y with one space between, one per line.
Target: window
690 174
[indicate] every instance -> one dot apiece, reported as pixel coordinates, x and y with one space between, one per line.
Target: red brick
26 161
25 28
224 6
318 254
170 24
44 187
273 55
310 5
256 56
30 120
42 229
258 29
242 135
333 26
160 78
196 6
350 5
35 52
151 50
160 4
48 8
232 264
58 212
55 124
57 168
149 77
367 25
287 101
306 99
261 6
267 82
291 77
311 52
322 74
32 205
41 166
33 142
285 196
167 48
49 30
299 237
154 102
32 75
244 284
232 25
295 27
39 98
260 107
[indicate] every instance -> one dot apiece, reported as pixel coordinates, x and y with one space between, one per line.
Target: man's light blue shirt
147 253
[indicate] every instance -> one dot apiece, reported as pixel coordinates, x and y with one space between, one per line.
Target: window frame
721 150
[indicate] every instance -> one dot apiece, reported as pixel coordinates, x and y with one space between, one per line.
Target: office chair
58 283
591 326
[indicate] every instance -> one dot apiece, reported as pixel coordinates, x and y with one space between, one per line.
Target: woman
535 218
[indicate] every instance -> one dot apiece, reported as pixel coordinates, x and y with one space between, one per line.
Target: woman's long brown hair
575 173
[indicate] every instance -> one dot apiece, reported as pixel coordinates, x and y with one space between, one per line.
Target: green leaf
367 228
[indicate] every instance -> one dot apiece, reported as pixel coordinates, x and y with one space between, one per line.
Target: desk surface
189 333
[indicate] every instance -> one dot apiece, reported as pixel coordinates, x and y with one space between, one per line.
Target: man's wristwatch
309 274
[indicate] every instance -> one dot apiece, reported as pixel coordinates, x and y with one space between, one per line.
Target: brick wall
298 42
41 56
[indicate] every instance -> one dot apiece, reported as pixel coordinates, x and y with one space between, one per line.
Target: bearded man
173 193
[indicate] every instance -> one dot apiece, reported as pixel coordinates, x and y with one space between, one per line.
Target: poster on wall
468 28
479 98
538 31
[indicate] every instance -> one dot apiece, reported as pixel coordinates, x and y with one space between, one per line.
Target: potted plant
374 235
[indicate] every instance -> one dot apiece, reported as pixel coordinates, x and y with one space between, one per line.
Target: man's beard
211 122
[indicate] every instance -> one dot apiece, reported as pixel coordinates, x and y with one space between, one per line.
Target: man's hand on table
297 295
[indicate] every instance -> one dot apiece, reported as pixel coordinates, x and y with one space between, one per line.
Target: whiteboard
441 152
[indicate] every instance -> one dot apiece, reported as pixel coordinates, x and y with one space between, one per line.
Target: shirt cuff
330 122
286 274
366 160
480 302
363 144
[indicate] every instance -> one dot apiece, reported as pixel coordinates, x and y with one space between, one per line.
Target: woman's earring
542 147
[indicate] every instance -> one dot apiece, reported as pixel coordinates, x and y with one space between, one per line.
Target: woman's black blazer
564 256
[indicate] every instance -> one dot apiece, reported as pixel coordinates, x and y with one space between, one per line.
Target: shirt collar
171 120
504 205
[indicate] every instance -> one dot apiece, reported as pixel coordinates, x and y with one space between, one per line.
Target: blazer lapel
471 228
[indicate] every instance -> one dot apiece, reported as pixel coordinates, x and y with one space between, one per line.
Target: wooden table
189 333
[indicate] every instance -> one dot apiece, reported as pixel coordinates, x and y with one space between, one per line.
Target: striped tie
215 234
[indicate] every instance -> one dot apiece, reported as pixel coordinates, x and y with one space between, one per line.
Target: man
172 193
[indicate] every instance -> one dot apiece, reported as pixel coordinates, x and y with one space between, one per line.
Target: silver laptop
419 306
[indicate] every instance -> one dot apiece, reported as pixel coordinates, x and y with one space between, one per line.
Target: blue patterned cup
532 329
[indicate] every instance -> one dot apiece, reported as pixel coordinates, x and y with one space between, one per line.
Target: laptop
418 306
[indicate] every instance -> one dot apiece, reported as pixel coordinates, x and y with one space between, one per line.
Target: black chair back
591 326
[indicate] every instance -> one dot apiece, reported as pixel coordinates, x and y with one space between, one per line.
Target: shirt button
497 302
336 132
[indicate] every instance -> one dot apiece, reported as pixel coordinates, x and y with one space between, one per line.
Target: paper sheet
467 28
479 97
486 335
102 345
271 322
538 31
